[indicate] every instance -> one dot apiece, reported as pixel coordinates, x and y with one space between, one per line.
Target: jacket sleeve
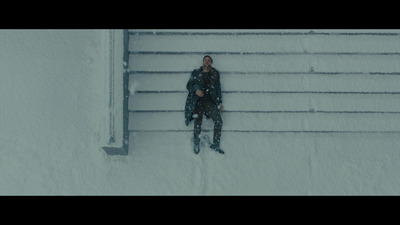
218 89
192 86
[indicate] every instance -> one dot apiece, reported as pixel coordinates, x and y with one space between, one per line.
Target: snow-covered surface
54 117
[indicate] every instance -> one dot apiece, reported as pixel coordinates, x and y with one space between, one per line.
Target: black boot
196 148
196 142
217 148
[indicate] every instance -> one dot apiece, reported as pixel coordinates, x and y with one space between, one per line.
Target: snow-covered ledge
118 92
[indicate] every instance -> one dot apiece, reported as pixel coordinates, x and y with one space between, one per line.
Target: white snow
54 119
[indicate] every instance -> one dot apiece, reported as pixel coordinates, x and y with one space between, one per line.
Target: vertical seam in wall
126 90
111 102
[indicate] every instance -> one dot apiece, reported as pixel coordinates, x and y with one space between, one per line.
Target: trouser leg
198 120
213 112
217 129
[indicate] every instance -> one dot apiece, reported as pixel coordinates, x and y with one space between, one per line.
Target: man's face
207 62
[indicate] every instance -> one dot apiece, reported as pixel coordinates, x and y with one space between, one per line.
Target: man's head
207 61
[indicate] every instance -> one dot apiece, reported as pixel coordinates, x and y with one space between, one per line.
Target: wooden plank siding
287 81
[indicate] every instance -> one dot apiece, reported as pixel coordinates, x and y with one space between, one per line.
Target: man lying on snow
204 98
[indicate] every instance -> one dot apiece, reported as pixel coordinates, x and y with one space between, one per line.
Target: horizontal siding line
278 92
268 73
272 131
262 111
190 33
258 53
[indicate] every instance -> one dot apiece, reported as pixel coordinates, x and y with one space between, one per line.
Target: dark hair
208 57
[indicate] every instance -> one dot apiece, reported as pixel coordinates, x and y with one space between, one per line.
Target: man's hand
200 93
220 107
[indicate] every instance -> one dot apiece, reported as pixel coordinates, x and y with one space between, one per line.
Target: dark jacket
196 82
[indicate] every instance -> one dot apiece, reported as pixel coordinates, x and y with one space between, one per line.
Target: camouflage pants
210 110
